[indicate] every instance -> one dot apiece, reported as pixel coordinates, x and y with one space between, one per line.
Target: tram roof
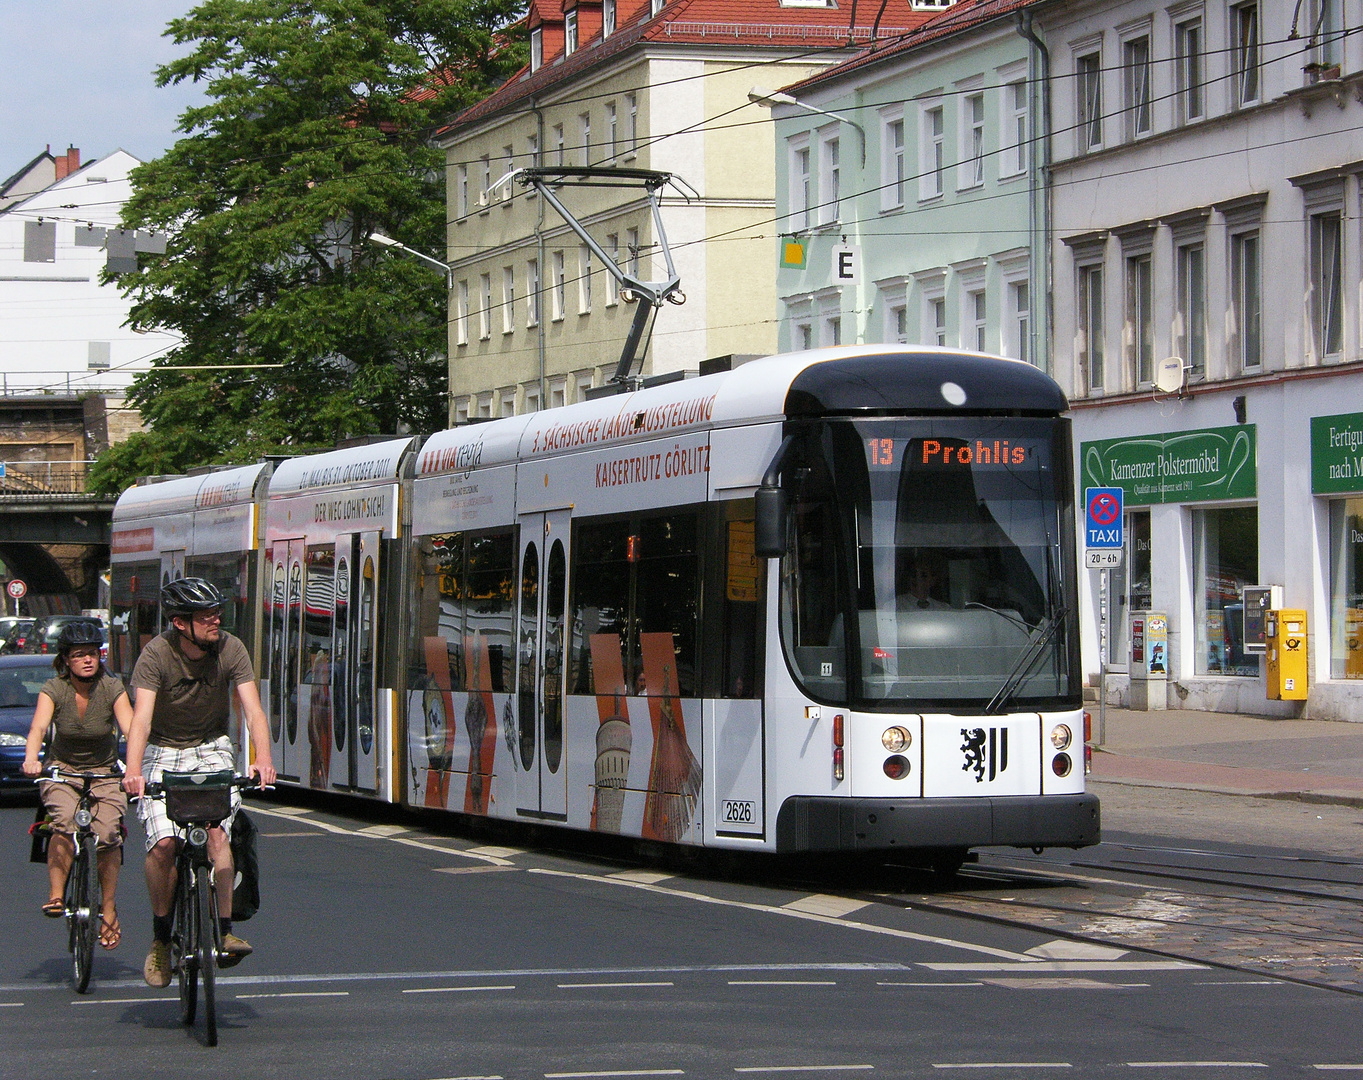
848 380
372 463
223 487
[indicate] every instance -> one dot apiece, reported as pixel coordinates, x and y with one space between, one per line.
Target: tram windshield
925 564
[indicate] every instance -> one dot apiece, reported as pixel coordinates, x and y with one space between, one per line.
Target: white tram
823 602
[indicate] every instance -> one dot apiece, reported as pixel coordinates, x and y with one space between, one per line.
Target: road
402 948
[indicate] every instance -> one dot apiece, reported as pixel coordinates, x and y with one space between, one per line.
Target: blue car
21 677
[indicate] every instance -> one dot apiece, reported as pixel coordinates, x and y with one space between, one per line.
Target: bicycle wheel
208 950
182 943
86 872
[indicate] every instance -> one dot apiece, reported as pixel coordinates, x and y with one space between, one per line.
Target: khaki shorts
207 757
62 799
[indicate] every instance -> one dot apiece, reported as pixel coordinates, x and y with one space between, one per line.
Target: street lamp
433 263
760 95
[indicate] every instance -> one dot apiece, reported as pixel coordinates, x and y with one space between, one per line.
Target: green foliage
315 135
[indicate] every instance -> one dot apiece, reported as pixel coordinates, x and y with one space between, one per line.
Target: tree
316 134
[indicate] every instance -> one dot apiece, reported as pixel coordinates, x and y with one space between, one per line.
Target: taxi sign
1103 518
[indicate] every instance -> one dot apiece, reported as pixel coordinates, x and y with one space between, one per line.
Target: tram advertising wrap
825 601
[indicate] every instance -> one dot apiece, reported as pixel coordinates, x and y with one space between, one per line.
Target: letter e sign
846 264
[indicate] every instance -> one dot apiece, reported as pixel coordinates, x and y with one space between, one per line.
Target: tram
826 601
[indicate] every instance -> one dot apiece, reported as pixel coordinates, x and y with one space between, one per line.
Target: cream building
535 321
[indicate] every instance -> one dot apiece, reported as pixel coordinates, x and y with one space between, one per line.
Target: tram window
228 573
440 604
489 601
667 593
600 604
743 587
319 596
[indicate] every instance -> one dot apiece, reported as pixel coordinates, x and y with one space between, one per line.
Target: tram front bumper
823 823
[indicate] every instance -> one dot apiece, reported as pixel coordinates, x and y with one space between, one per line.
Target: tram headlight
897 767
1061 736
895 739
1061 765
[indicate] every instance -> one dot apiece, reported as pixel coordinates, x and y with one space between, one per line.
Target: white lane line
407 840
11 1004
1338 1068
1244 982
297 994
122 1001
295 832
472 869
1002 1065
497 852
383 830
802 1068
821 904
647 877
781 982
1072 965
1196 1065
1032 982
614 1072
453 989
599 985
908 935
468 1078
934 984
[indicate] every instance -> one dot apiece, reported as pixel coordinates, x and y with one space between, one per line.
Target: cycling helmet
185 596
79 633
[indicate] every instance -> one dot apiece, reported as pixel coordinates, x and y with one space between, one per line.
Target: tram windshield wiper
1041 638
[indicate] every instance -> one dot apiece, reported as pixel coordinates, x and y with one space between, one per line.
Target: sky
79 73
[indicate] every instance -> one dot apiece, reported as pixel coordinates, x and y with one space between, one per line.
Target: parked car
15 635
43 637
21 677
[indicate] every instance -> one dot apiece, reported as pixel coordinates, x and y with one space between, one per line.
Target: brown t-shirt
193 697
90 742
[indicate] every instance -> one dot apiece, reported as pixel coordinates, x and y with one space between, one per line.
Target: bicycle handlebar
241 783
66 776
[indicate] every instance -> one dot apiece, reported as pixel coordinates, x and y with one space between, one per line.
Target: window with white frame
931 151
570 32
1088 91
558 392
1089 323
655 6
631 123
508 163
485 171
1244 28
1327 34
801 185
1327 283
461 191
1019 324
1136 86
532 292
892 162
607 18
537 48
831 330
581 384
484 406
897 323
1014 161
803 337
830 179
584 130
532 397
932 324
484 306
612 286
532 147
1190 311
1189 78
612 132
506 402
975 319
559 286
558 145
971 151
1246 304
461 313
633 255
508 299
584 280
461 410
1138 333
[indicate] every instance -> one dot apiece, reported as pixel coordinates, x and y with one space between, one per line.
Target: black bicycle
197 802
82 899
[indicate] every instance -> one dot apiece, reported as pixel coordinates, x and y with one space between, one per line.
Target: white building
62 330
1206 198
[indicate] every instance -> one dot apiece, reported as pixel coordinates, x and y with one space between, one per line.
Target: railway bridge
57 542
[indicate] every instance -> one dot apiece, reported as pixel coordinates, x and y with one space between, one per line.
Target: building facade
1206 198
534 319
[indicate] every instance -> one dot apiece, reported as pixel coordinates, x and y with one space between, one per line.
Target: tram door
354 666
286 631
541 636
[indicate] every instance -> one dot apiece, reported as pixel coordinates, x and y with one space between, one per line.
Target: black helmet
79 633
187 595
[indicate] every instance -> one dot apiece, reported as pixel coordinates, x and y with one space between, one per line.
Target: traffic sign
1103 558
17 588
1103 518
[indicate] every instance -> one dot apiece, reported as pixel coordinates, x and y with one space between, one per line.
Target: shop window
1226 559
1130 586
1346 589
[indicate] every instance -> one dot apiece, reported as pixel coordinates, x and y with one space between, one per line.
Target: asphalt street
395 948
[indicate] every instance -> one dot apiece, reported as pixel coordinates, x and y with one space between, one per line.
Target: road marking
1197 1065
497 852
615 1072
1031 982
931 939
1064 949
289 812
1003 1065
11 1004
122 1001
598 985
472 869
1244 982
779 982
453 989
801 1068
929 984
283 811
1339 1068
295 832
383 830
646 877
1073 965
297 994
820 904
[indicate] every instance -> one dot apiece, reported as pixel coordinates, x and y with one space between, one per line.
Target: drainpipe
1039 183
539 258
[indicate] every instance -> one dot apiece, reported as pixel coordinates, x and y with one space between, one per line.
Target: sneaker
234 950
156 968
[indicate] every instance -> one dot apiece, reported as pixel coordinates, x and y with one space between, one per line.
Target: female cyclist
87 707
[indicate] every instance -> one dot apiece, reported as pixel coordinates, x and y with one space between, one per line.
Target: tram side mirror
770 529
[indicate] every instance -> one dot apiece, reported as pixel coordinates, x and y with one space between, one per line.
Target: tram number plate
737 811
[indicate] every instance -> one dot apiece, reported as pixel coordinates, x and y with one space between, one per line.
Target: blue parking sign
1103 519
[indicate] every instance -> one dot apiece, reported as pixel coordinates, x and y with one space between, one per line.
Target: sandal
110 933
54 909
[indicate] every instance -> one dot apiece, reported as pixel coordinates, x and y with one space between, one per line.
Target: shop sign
1336 453
1183 466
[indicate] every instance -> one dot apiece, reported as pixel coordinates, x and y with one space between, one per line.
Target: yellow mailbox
1285 641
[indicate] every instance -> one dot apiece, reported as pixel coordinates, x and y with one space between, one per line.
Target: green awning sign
1183 466
1337 454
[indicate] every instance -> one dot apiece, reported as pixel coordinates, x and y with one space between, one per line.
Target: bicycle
197 802
82 898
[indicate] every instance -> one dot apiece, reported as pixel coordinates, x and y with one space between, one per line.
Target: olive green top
90 742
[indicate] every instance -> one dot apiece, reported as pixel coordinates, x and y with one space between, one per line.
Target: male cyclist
183 681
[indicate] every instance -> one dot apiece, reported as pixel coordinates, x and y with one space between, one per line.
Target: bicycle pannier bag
246 890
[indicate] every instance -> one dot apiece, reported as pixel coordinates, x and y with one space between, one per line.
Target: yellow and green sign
1337 454
793 253
1182 466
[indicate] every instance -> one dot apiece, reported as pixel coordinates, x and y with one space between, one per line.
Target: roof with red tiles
696 22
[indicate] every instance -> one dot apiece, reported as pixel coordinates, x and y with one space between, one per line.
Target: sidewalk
1313 760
